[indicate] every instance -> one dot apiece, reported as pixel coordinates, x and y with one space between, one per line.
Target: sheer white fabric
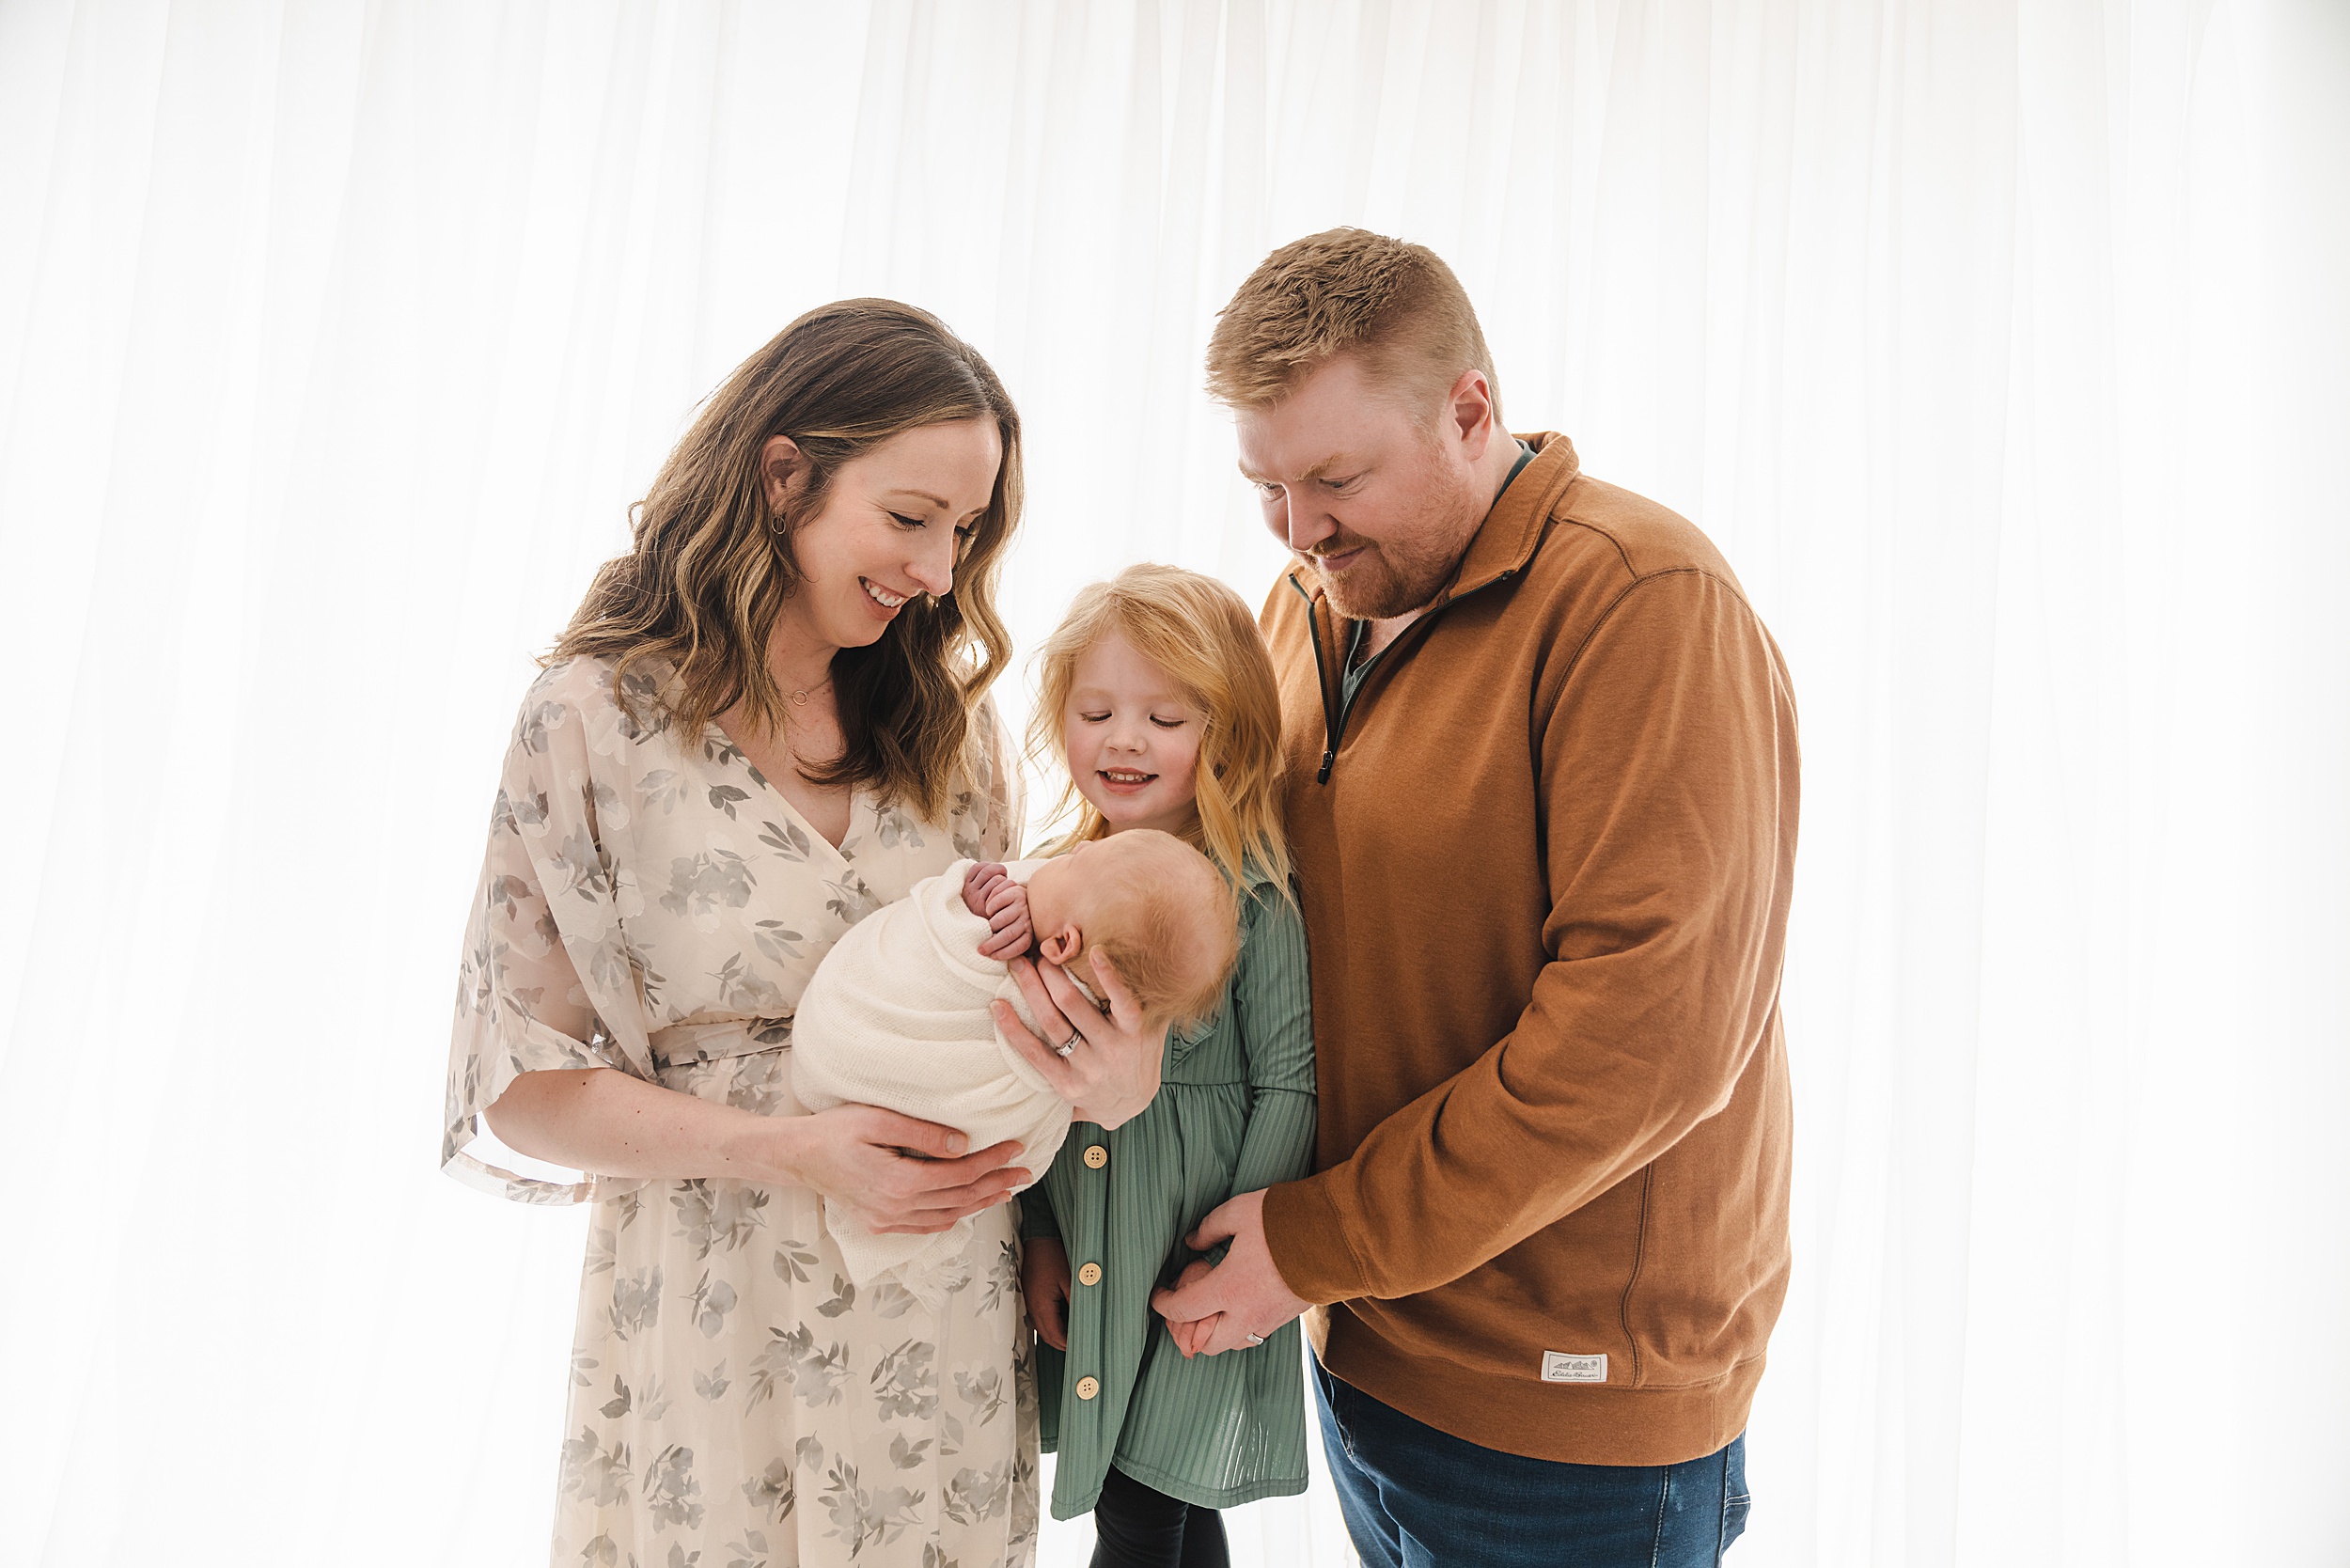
2001 346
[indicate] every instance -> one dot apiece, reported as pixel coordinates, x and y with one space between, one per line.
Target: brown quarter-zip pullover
1546 857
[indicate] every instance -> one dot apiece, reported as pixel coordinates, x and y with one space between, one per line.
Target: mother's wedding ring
1256 1339
1065 1048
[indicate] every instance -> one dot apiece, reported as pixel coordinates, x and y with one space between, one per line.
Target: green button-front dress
1235 1113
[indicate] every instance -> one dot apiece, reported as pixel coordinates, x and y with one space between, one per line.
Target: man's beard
1395 577
1376 586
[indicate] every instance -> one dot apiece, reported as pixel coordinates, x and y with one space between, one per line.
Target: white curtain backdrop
2000 344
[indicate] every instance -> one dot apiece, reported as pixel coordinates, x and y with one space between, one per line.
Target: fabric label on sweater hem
1561 1367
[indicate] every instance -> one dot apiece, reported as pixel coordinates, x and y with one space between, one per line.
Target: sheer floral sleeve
545 981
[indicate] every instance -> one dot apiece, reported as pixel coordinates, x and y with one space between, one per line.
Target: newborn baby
897 1014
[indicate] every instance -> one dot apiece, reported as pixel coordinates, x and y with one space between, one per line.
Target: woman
766 721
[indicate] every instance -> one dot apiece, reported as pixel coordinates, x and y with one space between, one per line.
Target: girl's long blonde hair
1201 635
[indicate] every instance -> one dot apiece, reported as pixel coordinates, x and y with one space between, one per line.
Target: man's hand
1244 1294
989 892
1045 1286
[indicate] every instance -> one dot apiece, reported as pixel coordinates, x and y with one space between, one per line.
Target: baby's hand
977 881
989 891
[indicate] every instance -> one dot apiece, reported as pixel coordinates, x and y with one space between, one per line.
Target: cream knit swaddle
897 1016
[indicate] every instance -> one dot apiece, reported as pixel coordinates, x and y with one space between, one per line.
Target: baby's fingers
977 883
1007 941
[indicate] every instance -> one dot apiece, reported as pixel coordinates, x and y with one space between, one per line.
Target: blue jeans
1416 1498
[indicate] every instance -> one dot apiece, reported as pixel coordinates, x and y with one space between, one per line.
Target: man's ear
1470 408
783 470
1062 946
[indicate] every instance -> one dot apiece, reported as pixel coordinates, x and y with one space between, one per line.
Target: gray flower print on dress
975 1494
852 899
661 789
721 1214
771 1492
593 1472
749 1551
701 886
793 1358
905 1383
861 1514
786 839
670 1489
637 1303
713 1300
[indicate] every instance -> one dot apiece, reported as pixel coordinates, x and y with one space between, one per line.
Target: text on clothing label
1560 1366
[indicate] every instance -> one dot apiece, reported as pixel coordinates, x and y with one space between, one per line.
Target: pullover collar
1507 539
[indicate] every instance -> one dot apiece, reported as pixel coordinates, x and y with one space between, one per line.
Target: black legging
1134 1527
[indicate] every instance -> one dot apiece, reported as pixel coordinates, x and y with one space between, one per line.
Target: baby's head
1155 907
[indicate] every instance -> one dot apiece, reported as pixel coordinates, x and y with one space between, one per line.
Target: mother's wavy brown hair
712 564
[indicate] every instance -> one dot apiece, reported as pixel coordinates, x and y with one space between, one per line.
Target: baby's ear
1061 946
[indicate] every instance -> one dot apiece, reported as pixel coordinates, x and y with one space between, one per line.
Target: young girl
1158 695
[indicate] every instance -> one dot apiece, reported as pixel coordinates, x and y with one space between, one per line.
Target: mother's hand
1112 1069
897 1174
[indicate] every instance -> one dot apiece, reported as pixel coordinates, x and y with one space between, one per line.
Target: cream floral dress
649 904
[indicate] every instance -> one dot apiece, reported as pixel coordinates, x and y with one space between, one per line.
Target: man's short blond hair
1347 291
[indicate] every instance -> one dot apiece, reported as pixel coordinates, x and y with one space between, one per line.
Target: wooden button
1088 1386
1090 1275
1097 1156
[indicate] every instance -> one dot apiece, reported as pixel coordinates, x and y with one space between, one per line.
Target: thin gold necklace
799 698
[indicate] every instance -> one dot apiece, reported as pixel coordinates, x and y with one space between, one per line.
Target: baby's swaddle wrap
897 1016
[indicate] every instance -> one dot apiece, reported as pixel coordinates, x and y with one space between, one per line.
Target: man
1541 801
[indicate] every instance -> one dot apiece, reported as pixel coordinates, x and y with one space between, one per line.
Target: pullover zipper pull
1322 679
